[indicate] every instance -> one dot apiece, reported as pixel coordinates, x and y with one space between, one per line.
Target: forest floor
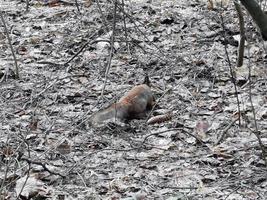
49 150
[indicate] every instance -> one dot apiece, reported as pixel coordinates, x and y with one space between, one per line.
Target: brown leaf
30 187
202 128
64 147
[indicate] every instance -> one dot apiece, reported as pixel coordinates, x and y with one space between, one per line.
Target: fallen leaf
30 187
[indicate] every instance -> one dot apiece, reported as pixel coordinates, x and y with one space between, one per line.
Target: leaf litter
44 115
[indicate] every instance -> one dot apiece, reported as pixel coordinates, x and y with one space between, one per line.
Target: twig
256 131
91 36
137 27
24 184
27 5
81 177
174 129
53 82
82 48
125 29
11 47
8 164
233 78
111 48
29 165
234 190
225 131
64 2
179 188
102 15
157 103
42 165
242 34
77 6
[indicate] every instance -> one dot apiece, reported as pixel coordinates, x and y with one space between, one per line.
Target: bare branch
11 47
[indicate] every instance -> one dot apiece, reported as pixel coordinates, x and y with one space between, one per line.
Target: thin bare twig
77 6
29 165
148 116
11 47
225 131
42 165
242 34
82 48
175 129
27 5
233 77
7 168
102 15
137 28
125 29
256 131
111 48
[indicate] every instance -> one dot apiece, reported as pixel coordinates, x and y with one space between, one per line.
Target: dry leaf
64 147
202 128
88 3
30 187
